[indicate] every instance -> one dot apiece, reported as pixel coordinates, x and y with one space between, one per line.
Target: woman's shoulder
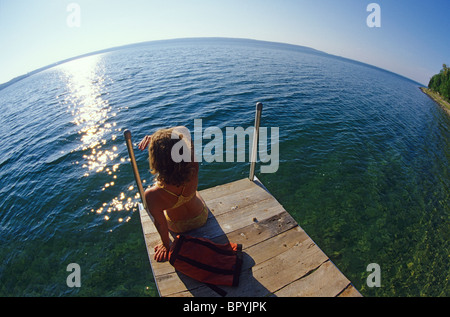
153 193
157 198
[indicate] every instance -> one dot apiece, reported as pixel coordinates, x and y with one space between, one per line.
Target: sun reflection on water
86 99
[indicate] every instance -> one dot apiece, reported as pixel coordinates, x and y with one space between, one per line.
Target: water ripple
364 159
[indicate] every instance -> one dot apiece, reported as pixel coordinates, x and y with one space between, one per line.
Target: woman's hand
144 143
161 253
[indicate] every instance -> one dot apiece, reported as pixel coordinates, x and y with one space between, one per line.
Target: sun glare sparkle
87 101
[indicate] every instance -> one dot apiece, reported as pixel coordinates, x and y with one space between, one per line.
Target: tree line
440 83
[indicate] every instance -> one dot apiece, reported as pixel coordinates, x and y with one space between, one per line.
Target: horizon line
129 45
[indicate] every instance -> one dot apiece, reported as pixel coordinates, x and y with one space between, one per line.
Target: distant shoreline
437 98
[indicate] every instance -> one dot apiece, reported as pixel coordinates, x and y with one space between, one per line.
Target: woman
172 200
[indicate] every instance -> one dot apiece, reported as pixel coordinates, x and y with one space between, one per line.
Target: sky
412 39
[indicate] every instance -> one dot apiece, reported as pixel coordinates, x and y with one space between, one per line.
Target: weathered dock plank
280 259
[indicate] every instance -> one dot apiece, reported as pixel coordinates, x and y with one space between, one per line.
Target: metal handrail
259 107
137 178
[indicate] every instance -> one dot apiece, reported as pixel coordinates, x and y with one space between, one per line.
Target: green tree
440 83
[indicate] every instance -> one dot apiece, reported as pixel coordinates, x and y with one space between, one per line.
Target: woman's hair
161 163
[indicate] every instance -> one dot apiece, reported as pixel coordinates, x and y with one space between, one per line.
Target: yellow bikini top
181 199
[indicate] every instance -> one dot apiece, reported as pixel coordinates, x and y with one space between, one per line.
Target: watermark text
374 18
235 138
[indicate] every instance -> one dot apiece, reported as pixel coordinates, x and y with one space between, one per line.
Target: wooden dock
280 259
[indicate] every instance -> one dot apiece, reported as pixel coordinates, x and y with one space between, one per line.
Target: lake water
364 161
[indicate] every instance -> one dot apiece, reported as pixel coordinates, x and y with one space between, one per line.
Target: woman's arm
178 130
144 142
161 250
